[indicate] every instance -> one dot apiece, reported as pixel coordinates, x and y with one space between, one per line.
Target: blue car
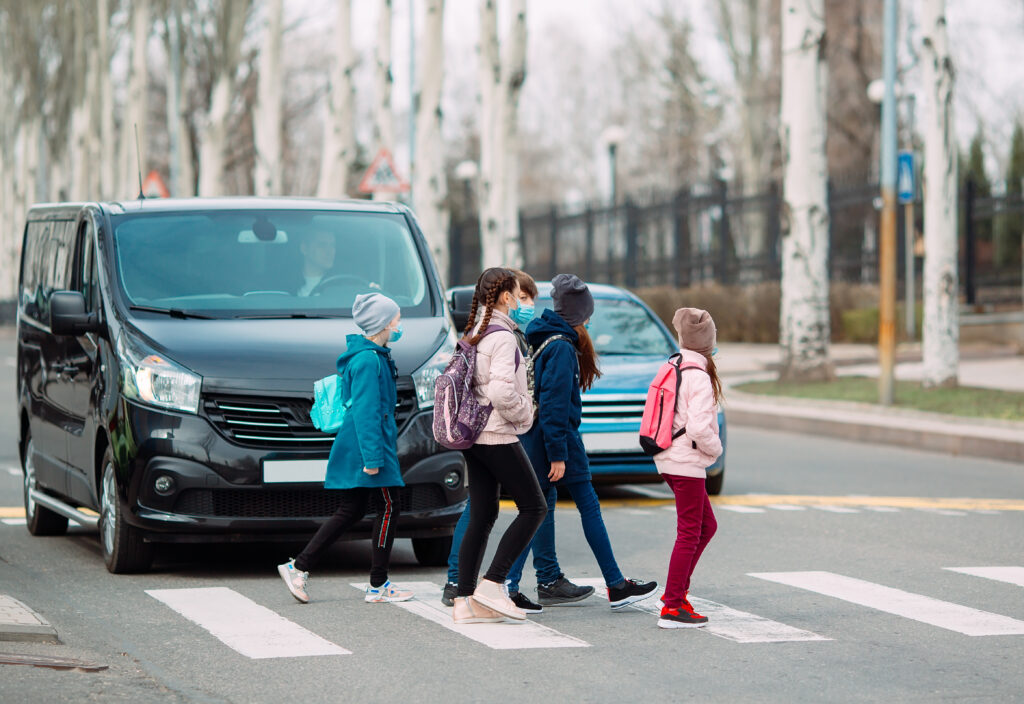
632 343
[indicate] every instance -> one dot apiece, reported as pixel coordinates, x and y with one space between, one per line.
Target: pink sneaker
468 611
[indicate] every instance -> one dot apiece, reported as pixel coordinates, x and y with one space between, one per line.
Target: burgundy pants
695 526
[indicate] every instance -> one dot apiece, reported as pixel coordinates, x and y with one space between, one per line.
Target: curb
20 623
861 422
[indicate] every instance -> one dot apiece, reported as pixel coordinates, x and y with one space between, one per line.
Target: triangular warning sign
154 186
382 176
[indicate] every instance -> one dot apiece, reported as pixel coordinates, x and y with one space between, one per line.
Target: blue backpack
328 411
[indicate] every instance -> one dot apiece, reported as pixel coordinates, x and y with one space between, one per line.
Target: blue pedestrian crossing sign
905 185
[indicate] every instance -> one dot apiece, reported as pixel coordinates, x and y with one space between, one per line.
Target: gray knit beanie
373 312
696 330
572 299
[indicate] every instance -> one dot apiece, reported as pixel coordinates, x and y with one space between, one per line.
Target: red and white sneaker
681 618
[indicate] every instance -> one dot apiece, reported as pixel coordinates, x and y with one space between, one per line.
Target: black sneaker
449 593
681 618
630 592
524 603
562 591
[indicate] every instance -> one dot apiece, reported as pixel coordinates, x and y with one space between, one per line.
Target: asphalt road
819 621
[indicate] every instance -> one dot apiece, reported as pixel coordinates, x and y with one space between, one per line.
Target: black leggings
491 467
350 511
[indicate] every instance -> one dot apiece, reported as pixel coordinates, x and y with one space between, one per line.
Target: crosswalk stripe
882 509
952 617
243 625
836 509
735 509
1010 575
509 635
724 621
786 507
942 511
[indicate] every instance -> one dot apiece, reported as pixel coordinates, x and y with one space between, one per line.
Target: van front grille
299 503
284 423
613 408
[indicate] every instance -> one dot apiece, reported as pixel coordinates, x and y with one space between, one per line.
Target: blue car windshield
249 263
622 327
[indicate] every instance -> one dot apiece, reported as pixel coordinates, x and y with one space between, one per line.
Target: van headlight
425 376
153 379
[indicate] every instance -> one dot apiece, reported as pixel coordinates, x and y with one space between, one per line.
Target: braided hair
489 287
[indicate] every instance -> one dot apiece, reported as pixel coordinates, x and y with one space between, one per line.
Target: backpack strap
536 354
499 328
680 368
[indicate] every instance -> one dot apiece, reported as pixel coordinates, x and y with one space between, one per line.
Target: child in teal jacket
363 465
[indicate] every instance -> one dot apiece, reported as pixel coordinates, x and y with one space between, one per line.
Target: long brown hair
716 383
589 373
491 284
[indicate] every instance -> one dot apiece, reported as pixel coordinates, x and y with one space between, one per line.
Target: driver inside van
317 259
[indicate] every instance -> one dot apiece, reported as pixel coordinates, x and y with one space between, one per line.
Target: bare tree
383 120
941 333
108 153
339 151
133 153
804 313
225 55
501 82
430 187
178 131
268 120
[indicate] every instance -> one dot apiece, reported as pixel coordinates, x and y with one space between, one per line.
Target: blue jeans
545 560
453 556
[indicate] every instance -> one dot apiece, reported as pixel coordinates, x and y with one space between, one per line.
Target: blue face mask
522 315
396 335
714 351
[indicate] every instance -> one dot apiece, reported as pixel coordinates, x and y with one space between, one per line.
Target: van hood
276 354
626 374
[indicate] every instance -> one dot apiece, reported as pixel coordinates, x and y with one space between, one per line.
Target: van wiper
173 312
285 316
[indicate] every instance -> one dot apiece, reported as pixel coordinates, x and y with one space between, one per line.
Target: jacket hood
548 324
355 344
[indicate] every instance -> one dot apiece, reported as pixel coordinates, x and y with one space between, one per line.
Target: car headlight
153 379
425 376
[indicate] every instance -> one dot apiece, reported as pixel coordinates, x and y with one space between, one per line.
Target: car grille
300 503
613 408
279 423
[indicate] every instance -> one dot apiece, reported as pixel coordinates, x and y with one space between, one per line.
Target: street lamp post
887 245
466 171
612 137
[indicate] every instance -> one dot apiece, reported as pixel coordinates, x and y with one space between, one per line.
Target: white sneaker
295 580
386 592
468 611
495 597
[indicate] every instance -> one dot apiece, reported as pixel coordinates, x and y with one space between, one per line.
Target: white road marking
14 521
636 511
723 621
653 493
737 509
243 625
786 507
941 511
882 509
987 511
1010 575
508 635
14 471
952 617
836 509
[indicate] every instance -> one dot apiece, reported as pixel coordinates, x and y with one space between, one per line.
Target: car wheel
432 552
124 550
39 519
714 484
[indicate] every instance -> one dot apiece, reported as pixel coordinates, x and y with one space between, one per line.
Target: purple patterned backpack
458 417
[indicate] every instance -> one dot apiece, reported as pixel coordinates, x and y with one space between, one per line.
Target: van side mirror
461 304
68 316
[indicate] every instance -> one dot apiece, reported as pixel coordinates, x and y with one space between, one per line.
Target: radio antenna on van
138 161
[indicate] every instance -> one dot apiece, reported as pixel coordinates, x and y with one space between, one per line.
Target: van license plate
292 471
598 443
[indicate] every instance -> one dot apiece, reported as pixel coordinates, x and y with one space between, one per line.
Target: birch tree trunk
214 139
182 175
941 335
133 153
492 171
514 75
78 152
383 120
108 155
267 124
430 190
339 129
804 315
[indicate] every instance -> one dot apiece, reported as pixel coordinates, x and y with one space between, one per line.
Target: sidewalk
981 366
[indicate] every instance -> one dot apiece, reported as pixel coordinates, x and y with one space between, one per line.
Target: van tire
714 484
39 519
432 552
124 550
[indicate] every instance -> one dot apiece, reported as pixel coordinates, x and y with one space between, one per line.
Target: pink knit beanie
696 330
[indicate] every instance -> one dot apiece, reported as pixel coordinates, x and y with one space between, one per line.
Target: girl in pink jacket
682 465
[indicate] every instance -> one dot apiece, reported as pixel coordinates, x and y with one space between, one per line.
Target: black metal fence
707 234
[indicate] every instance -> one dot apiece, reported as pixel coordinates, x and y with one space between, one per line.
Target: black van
167 351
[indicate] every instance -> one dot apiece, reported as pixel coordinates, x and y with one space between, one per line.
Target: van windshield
256 263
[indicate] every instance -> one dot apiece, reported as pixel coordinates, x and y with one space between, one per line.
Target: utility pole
887 234
413 102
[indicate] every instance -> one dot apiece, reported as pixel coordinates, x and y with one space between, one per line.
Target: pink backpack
660 408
